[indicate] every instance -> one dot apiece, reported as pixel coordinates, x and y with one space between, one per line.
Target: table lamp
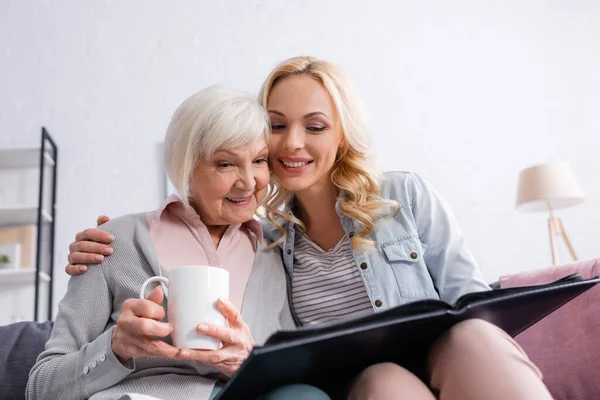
549 187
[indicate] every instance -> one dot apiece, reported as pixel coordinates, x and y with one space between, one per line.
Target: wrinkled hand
236 338
90 247
139 324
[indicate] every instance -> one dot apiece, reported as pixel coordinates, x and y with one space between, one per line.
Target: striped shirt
327 285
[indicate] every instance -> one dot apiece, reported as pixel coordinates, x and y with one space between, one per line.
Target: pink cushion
566 344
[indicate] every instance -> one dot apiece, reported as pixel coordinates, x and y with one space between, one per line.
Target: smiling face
306 133
228 187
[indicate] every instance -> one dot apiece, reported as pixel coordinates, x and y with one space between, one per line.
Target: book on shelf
25 237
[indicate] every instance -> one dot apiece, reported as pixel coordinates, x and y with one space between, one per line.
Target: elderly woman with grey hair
108 344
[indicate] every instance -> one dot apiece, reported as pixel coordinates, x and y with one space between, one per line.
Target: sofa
565 345
20 344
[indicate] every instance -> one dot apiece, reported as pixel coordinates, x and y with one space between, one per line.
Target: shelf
19 215
23 157
20 276
21 164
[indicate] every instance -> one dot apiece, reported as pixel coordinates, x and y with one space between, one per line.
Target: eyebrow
312 114
226 151
237 155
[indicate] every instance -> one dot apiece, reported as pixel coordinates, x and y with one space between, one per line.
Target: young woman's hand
139 326
236 338
90 247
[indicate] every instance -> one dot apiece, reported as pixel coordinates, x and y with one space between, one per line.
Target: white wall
464 92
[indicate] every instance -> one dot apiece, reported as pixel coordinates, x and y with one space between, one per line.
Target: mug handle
161 279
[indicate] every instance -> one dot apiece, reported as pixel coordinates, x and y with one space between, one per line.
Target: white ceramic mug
191 299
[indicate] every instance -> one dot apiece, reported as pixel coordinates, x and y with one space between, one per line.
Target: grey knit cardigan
78 362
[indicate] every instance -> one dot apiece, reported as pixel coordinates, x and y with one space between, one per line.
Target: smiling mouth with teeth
295 164
237 200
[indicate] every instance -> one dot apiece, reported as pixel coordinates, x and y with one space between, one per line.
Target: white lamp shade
548 186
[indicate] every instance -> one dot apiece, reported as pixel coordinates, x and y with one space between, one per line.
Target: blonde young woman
356 242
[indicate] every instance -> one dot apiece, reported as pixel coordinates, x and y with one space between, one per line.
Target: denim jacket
420 252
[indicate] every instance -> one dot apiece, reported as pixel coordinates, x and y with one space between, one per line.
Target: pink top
180 238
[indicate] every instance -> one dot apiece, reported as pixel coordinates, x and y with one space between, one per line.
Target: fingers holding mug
138 328
232 314
237 345
236 339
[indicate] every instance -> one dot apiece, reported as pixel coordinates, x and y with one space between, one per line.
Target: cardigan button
378 303
86 370
363 265
289 251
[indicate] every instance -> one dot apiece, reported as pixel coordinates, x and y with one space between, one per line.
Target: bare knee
382 372
386 381
470 338
466 332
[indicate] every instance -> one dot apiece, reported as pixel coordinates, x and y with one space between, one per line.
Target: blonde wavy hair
353 177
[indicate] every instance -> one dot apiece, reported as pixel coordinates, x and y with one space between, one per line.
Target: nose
247 179
293 139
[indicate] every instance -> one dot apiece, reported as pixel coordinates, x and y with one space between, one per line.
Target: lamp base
556 229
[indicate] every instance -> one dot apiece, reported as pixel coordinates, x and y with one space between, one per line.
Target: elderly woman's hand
137 329
237 342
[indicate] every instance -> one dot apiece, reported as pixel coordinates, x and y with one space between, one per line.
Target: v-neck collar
333 250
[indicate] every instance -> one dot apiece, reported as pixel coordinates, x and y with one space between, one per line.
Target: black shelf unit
46 229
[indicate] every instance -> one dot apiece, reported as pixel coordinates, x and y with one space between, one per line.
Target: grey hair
213 119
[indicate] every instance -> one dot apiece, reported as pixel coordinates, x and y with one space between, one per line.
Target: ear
342 148
342 140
